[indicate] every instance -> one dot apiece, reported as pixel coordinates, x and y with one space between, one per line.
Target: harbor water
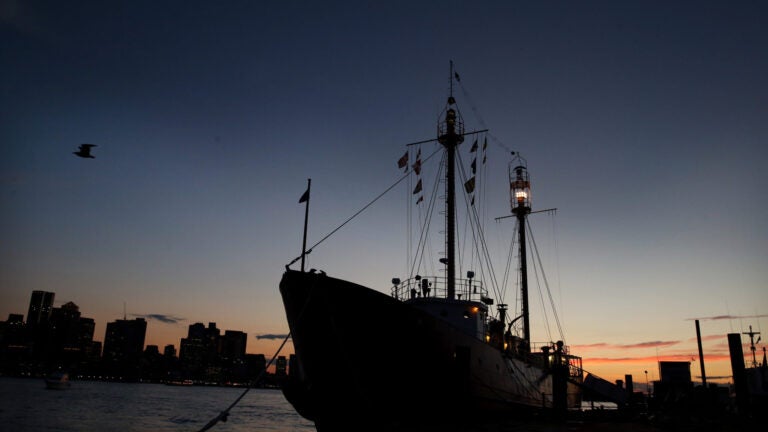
26 405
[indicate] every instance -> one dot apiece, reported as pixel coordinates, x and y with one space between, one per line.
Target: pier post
739 374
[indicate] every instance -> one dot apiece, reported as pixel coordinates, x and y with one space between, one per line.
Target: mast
520 188
752 335
450 133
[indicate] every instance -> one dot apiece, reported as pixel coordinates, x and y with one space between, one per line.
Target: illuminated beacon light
475 309
521 195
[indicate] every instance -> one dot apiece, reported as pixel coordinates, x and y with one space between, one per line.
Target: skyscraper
40 307
123 346
233 345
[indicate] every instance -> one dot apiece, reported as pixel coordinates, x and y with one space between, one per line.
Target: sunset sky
645 123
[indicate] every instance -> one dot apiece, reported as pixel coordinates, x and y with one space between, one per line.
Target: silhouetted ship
432 352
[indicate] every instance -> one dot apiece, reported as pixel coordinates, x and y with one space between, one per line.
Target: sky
643 123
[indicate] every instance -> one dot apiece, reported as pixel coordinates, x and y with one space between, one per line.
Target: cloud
167 319
272 336
594 345
726 317
654 359
650 344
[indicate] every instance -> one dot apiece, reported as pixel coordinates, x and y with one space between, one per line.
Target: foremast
450 133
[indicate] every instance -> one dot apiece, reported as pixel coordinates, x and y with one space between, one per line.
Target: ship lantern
520 189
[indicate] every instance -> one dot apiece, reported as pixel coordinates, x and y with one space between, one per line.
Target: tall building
281 367
233 345
40 307
169 351
123 347
199 350
66 325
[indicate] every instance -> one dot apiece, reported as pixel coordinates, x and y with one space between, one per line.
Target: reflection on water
26 405
98 406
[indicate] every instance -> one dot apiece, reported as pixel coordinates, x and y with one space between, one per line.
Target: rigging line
224 414
480 120
462 176
428 230
484 252
480 244
421 247
541 300
479 198
546 284
556 247
408 216
366 206
536 270
423 236
508 268
483 174
434 207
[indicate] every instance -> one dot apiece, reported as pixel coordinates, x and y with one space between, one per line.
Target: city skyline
62 339
716 348
643 123
43 314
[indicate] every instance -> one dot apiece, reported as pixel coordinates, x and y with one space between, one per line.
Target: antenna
752 335
125 315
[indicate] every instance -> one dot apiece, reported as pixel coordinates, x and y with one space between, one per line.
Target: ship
435 351
57 381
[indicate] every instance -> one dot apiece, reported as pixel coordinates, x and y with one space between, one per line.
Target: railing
437 287
575 370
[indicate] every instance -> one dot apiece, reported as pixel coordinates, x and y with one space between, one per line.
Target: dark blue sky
643 122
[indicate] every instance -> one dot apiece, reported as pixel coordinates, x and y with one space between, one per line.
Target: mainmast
520 189
450 133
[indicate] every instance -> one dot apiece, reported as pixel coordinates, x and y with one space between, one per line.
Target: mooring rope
403 177
222 416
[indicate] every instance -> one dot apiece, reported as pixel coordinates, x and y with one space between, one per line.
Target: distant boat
432 351
57 381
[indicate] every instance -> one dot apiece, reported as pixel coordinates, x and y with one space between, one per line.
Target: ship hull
363 357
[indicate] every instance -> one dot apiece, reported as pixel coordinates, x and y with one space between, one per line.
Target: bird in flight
85 151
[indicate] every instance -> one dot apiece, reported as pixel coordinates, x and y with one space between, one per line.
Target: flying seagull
85 151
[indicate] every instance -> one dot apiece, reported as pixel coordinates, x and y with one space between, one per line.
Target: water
26 405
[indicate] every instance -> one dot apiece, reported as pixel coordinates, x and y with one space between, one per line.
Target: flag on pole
474 166
421 198
417 165
418 187
469 186
403 161
485 143
304 196
474 147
